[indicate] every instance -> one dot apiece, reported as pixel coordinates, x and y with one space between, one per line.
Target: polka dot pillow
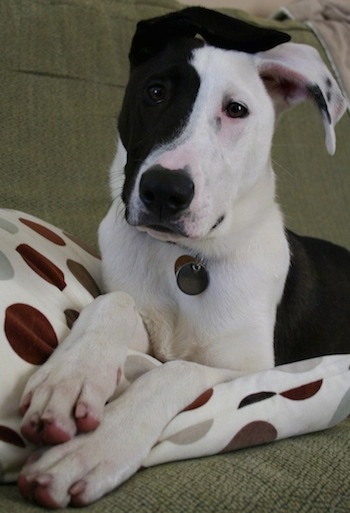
46 279
286 401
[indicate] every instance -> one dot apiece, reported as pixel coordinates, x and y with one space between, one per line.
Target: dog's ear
295 72
215 28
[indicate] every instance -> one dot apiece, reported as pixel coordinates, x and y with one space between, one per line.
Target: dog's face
197 139
196 128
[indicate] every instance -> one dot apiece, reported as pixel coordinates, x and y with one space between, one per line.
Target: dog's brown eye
236 110
156 93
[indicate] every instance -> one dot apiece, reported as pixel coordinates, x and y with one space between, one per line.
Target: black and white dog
199 269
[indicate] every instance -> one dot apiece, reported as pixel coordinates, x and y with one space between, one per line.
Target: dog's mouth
163 232
218 222
160 228
172 232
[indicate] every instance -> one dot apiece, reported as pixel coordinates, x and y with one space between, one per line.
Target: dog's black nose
166 192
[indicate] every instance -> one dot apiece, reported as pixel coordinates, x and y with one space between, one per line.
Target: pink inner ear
285 84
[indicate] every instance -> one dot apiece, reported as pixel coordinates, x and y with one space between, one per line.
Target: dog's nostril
148 197
166 192
177 202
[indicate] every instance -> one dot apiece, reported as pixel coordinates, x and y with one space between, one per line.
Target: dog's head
198 116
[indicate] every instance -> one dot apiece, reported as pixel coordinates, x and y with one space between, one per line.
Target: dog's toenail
77 488
81 411
119 375
25 404
35 419
43 480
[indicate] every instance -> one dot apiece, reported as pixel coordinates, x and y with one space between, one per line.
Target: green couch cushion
308 474
63 71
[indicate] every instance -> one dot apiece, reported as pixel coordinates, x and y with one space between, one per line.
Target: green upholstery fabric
308 474
63 71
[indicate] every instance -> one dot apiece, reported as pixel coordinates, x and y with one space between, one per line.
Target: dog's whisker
283 168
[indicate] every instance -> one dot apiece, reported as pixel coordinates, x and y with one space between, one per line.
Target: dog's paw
65 398
68 393
87 467
75 473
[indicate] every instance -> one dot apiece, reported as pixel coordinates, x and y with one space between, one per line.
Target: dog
198 267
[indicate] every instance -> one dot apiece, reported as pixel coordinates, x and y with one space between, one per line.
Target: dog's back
313 317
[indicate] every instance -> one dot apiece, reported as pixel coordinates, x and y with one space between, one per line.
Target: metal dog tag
191 276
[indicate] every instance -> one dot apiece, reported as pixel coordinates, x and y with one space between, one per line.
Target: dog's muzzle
165 195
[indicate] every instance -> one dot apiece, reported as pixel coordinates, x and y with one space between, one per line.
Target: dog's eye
156 93
236 110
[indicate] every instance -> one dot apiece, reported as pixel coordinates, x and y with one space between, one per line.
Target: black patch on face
145 124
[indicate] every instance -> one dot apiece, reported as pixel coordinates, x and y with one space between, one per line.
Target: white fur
230 325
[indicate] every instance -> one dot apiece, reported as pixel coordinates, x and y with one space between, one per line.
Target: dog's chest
214 328
219 327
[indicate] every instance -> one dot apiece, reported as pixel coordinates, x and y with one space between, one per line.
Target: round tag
191 276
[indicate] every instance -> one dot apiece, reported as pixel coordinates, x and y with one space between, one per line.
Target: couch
63 71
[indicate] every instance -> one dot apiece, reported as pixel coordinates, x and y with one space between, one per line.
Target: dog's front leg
68 393
90 465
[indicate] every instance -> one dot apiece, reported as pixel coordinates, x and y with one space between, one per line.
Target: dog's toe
32 429
85 420
37 490
25 487
76 492
53 434
45 429
88 411
43 497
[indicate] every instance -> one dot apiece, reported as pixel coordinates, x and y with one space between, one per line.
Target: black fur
215 28
313 317
143 124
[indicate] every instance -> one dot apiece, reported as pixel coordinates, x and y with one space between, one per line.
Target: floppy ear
215 28
293 73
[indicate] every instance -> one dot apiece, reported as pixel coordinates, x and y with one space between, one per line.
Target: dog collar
191 276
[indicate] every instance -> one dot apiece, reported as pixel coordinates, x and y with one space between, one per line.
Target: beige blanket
330 21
